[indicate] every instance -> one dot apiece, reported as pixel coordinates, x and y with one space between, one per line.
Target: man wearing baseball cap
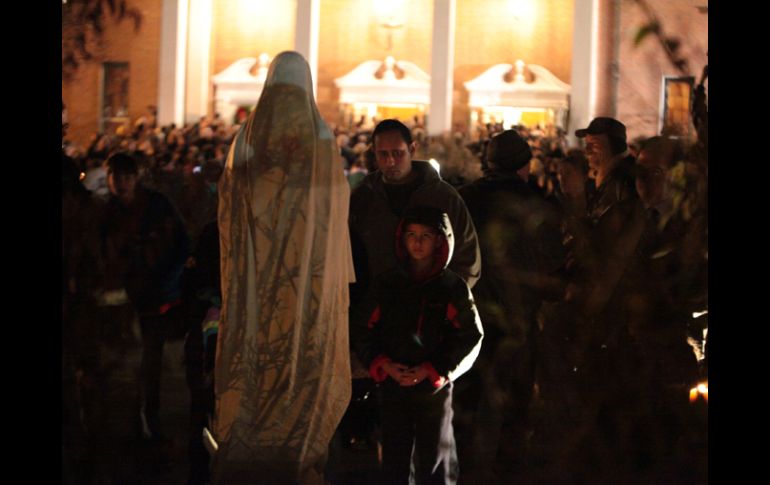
601 282
605 145
615 212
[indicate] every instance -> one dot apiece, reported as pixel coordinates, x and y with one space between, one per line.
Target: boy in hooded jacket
417 331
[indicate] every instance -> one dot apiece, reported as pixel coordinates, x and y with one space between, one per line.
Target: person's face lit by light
394 156
597 150
571 180
122 185
651 181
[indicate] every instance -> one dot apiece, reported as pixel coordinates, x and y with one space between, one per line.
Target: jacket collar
425 173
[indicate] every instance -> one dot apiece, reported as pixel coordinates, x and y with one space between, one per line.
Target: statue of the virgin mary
282 375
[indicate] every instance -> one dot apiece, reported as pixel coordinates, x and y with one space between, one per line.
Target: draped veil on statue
282 366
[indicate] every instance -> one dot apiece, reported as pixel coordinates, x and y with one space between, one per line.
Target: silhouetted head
122 175
656 156
507 151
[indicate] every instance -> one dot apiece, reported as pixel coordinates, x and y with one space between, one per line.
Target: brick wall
121 44
642 67
247 28
350 34
487 34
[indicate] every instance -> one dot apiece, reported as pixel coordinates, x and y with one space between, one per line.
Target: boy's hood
433 217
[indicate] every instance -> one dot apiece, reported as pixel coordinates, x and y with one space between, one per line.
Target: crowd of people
533 321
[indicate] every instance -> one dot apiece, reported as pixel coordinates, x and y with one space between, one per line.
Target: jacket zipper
420 319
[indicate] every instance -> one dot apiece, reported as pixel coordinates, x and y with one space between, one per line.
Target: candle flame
702 389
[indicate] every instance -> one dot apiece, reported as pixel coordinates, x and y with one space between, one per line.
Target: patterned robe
282 367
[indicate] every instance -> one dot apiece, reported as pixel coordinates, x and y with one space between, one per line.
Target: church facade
455 63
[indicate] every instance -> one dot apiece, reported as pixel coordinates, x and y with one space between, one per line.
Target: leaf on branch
645 30
95 21
69 60
80 40
136 15
80 45
672 44
97 11
84 22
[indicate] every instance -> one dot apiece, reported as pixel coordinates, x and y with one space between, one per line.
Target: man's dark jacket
521 246
373 223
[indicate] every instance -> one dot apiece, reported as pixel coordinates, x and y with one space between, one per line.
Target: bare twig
669 44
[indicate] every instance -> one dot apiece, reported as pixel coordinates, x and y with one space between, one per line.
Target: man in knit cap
519 235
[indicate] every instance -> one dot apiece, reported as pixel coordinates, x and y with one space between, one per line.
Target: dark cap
122 163
508 150
604 126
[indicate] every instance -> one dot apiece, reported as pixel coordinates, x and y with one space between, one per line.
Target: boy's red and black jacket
432 322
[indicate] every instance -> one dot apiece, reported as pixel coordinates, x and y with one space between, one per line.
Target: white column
306 35
173 53
442 67
198 55
584 66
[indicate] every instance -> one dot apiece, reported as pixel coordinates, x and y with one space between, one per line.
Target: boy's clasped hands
405 375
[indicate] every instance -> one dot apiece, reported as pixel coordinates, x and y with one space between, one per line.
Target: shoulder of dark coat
367 185
152 194
457 286
426 170
438 186
623 179
391 276
160 203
